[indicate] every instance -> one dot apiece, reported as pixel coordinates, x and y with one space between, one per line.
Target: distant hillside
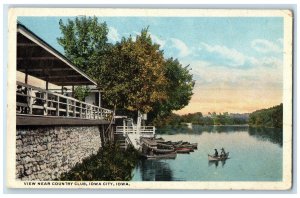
210 119
271 117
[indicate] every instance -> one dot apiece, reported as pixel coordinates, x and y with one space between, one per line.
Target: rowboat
162 145
183 150
161 156
173 143
186 145
212 158
159 140
162 151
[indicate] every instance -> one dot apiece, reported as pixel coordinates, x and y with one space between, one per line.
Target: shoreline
244 125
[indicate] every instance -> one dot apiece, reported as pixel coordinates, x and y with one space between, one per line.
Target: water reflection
256 156
198 129
172 130
220 129
216 163
155 170
273 135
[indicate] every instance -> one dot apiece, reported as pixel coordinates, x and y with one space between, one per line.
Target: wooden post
30 101
99 103
46 103
139 121
74 108
94 112
26 76
67 109
26 91
80 111
124 123
86 109
57 108
73 91
47 83
46 98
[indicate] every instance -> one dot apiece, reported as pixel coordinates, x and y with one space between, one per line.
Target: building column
99 103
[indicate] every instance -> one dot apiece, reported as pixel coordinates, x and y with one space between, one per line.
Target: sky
236 62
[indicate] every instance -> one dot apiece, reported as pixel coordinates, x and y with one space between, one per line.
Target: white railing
127 141
36 101
143 130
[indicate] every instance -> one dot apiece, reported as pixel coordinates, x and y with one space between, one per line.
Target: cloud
173 47
113 34
220 88
265 46
154 38
271 62
158 40
183 49
223 56
209 75
232 56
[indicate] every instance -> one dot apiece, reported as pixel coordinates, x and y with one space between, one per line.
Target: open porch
37 105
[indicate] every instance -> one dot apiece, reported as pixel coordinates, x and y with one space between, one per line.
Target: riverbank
169 130
217 125
109 164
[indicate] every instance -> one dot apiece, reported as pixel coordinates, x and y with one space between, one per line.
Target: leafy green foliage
229 119
179 90
135 79
109 164
81 92
132 74
85 41
199 119
271 117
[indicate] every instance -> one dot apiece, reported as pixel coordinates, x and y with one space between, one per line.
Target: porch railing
143 130
32 100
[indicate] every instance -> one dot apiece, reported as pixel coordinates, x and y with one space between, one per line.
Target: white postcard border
285 184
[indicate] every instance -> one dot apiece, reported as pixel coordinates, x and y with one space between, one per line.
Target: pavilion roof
37 58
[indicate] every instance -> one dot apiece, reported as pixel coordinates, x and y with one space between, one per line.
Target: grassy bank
109 164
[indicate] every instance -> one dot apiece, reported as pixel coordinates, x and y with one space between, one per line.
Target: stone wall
43 153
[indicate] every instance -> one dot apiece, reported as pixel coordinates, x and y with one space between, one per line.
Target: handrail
56 94
127 139
146 130
55 104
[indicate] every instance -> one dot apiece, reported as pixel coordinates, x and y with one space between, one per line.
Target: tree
81 92
132 74
271 117
135 76
179 89
85 43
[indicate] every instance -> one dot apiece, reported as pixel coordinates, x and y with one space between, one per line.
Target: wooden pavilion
40 106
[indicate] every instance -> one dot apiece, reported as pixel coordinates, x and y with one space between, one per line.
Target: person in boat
216 153
223 153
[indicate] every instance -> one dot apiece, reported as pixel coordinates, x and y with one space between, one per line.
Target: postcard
111 98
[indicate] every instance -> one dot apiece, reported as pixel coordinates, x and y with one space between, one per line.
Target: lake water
255 155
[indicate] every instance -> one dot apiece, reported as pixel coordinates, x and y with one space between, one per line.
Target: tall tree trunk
109 131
